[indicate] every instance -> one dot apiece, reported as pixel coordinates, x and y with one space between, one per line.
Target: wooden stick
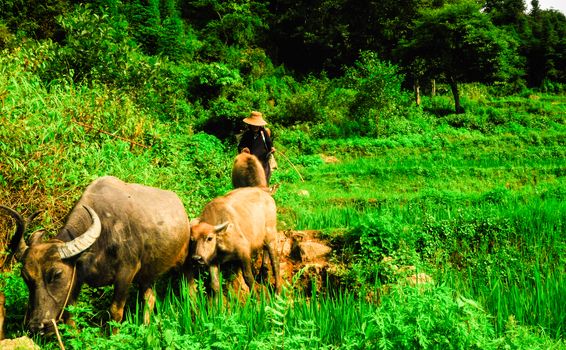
284 156
57 334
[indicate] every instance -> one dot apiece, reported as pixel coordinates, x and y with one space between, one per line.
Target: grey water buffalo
247 171
116 234
233 228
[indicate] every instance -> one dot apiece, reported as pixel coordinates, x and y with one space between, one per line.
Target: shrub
425 318
16 293
378 92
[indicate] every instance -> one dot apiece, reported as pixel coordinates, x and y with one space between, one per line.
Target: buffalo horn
81 243
17 244
221 227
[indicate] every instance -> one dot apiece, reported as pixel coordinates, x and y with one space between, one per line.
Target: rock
22 343
329 159
306 248
284 243
309 251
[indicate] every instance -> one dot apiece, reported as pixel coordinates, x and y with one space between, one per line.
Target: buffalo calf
247 171
233 228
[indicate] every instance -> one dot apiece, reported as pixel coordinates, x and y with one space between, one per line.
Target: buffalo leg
124 280
189 276
117 306
149 299
215 278
247 272
274 258
119 301
264 270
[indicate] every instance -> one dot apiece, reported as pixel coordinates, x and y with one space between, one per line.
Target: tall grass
485 211
427 317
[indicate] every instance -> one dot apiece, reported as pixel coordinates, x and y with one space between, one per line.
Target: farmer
257 140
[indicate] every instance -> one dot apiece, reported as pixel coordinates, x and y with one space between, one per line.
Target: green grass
487 213
478 201
430 317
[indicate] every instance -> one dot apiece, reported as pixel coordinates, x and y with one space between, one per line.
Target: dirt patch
329 159
304 259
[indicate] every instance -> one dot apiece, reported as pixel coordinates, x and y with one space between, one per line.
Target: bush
425 318
16 293
378 92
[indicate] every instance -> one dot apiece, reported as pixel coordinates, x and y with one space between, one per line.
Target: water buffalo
233 228
247 171
116 234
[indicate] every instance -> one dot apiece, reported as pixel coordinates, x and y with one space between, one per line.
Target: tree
32 18
309 36
316 35
460 44
505 12
223 24
545 47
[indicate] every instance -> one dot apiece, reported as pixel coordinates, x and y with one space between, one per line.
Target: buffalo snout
198 259
42 328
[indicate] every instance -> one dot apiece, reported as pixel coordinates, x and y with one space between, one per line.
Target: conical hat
255 118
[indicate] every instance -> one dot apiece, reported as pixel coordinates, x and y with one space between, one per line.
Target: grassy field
492 229
483 212
478 202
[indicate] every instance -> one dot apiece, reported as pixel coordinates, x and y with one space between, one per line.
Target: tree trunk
417 89
433 88
454 87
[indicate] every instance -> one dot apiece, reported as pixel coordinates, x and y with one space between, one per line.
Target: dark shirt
260 144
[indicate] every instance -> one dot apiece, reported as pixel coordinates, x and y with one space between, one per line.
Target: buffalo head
48 270
206 239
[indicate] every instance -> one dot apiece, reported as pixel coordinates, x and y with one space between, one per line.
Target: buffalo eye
209 238
53 275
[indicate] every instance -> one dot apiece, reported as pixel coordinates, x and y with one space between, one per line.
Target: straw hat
255 118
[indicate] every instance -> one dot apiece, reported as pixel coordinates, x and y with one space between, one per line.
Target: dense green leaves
460 44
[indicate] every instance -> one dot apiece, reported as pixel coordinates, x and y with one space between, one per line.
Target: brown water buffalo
116 234
233 228
247 171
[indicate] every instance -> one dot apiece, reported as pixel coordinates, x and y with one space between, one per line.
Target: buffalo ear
36 237
194 222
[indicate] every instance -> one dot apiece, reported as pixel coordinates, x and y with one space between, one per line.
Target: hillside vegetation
154 93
